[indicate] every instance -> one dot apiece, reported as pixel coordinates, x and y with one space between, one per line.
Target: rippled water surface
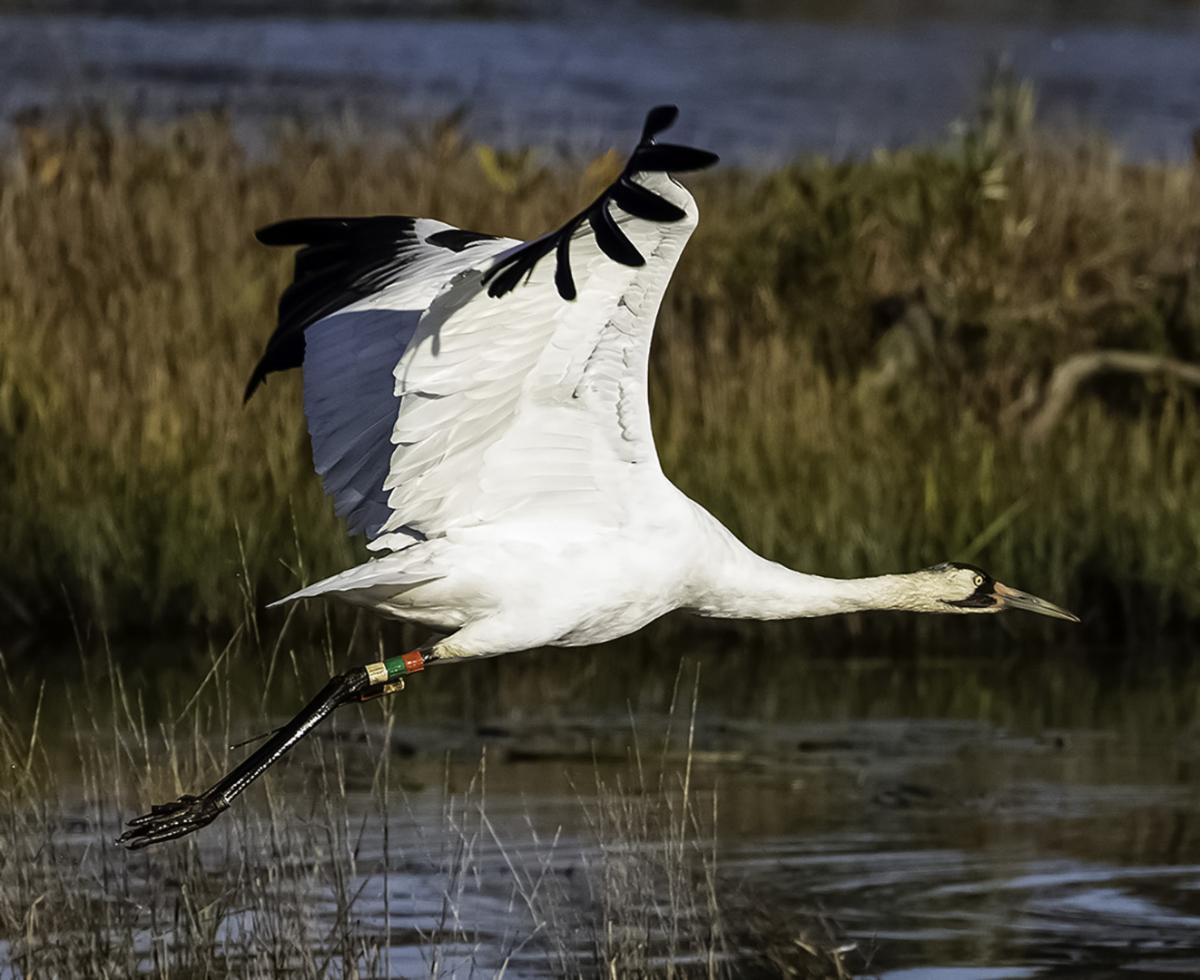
755 89
968 817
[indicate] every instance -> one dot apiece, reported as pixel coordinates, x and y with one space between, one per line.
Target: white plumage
478 409
497 449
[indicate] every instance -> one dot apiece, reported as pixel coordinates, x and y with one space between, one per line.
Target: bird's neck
739 584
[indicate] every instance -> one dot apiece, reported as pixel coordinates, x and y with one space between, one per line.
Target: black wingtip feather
670 157
633 198
304 231
564 280
642 203
256 379
660 118
341 260
506 281
612 241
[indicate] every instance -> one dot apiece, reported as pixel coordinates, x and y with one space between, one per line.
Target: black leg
167 821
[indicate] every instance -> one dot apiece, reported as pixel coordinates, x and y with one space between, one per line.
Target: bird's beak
1016 599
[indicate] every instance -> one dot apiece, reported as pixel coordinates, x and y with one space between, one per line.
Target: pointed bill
1010 598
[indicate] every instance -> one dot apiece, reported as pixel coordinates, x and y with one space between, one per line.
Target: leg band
394 668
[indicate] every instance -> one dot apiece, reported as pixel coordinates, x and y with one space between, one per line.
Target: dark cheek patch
976 601
983 596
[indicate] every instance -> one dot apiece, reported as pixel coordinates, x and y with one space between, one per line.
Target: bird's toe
167 821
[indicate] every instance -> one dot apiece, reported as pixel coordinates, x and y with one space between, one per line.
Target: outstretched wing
359 289
523 387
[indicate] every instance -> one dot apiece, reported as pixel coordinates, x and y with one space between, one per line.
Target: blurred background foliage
859 366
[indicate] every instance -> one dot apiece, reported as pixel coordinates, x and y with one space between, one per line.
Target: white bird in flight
478 409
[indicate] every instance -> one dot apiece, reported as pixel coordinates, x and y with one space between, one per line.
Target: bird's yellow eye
978 581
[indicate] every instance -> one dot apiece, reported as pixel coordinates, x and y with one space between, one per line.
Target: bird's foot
166 821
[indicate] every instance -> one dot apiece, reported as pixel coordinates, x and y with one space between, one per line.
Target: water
756 90
964 847
960 817
950 848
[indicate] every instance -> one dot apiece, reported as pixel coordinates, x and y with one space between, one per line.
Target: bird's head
964 588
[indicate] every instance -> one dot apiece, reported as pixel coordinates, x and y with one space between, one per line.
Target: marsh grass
841 372
381 846
355 858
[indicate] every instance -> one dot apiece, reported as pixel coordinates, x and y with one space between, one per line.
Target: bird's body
478 408
515 584
523 503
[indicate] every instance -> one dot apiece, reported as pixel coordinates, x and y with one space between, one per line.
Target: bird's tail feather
361 579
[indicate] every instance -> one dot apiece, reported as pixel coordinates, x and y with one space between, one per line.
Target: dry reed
840 373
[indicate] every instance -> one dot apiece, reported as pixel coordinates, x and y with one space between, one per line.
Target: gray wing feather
351 406
349 354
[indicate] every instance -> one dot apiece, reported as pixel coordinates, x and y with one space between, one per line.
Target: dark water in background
1019 814
754 89
1030 814
945 849
965 817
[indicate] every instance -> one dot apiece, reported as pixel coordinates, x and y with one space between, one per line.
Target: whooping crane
478 410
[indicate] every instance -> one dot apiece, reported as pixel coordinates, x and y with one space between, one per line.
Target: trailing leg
189 813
